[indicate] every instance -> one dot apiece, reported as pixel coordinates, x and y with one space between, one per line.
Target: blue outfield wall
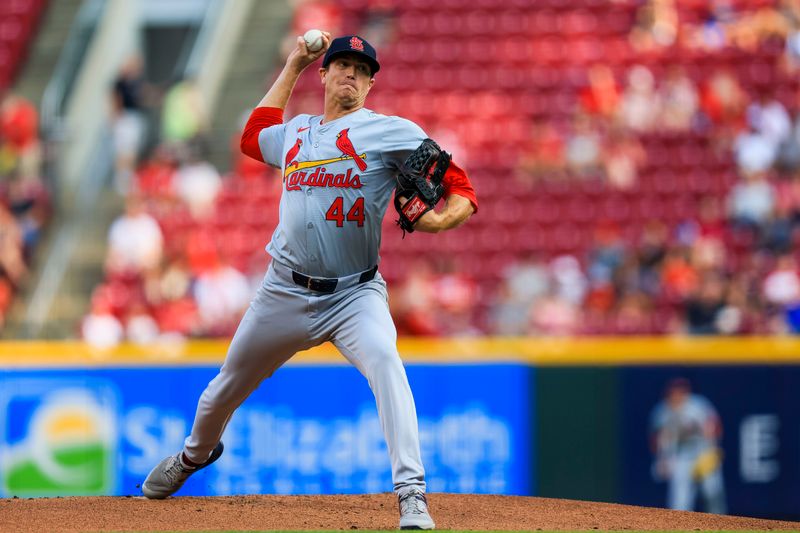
555 418
307 430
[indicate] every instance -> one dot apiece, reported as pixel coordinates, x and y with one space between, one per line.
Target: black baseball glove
419 180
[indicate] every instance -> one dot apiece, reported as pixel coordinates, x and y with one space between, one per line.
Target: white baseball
314 41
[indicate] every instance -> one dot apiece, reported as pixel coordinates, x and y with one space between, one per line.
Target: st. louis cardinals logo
356 44
343 143
292 153
295 172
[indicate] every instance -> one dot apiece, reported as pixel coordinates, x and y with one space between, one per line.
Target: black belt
328 284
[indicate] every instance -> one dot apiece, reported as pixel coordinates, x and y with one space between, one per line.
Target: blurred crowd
729 268
24 198
187 254
166 276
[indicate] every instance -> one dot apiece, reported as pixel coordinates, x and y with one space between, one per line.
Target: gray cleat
169 475
414 511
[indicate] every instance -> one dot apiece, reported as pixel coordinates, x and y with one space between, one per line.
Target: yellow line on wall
586 351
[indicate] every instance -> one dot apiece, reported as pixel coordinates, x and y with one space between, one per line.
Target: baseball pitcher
339 170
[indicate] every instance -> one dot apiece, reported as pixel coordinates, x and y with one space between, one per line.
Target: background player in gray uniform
338 172
685 429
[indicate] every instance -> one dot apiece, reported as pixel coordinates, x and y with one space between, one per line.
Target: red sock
186 462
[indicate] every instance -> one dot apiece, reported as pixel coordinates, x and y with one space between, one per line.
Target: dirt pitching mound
372 511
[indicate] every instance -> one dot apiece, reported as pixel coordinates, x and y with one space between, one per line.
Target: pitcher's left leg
365 334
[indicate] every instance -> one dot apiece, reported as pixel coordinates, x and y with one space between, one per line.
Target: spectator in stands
751 202
140 327
709 36
19 135
598 305
184 118
100 328
601 97
11 248
606 276
787 194
782 284
777 232
652 249
770 119
570 282
414 304
731 319
201 251
6 298
633 315
197 184
757 25
178 318
606 255
640 106
623 156
708 246
456 297
222 294
754 152
627 276
528 279
174 309
135 242
507 315
29 202
128 119
523 283
554 315
705 305
679 278
172 282
583 150
679 100
781 292
788 158
155 177
791 58
656 26
723 102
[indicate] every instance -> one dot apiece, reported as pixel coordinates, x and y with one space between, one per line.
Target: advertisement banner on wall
669 442
307 430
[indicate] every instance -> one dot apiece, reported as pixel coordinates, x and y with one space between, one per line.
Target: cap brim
374 65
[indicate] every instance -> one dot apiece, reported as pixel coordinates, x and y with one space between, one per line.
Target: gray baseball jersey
338 178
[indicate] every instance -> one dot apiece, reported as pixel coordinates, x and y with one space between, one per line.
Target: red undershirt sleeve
260 118
457 182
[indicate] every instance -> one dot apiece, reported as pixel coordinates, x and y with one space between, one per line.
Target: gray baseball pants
284 318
